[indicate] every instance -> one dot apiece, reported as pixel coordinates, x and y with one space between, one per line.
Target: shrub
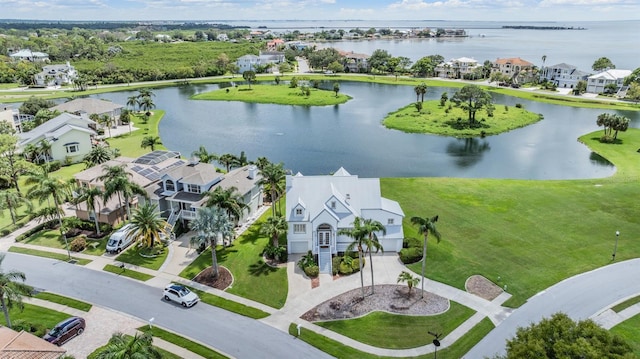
312 271
335 264
410 255
345 268
606 139
307 260
411 242
78 244
277 253
36 329
519 105
54 166
5 232
355 265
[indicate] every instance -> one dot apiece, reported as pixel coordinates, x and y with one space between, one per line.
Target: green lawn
629 330
69 302
440 120
339 350
182 342
47 238
132 256
276 94
45 254
626 304
253 278
38 317
526 234
394 331
129 144
230 305
127 272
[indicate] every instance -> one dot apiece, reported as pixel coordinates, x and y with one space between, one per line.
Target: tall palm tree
12 201
211 224
122 346
106 121
31 152
203 155
273 174
369 228
117 182
228 160
147 225
150 141
146 104
274 227
91 196
426 226
261 162
357 235
12 290
229 200
45 187
423 90
132 101
97 155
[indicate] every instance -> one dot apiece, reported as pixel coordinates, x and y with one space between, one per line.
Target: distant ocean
617 40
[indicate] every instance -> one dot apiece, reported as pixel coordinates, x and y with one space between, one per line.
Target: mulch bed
482 287
223 281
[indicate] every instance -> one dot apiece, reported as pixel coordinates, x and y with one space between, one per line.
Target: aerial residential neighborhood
318 189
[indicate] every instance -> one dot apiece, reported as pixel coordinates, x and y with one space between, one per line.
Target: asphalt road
580 297
238 336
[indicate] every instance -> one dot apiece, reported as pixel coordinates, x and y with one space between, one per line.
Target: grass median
275 94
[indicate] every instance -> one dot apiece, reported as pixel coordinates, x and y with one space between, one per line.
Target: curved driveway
580 297
233 334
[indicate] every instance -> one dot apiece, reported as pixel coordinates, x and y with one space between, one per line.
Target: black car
65 330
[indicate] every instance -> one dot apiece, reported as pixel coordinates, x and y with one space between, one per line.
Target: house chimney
252 171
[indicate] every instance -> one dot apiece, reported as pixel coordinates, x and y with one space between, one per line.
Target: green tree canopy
471 98
602 64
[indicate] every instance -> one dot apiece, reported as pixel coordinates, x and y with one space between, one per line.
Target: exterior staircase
324 261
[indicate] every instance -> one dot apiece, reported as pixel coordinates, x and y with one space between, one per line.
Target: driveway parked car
180 294
65 330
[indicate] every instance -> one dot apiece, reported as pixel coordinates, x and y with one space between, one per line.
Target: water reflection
467 151
599 160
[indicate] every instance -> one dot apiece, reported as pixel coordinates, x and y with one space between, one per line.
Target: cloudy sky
489 10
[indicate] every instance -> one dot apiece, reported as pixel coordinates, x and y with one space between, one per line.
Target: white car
180 294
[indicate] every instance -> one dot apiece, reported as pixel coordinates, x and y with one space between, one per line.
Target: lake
319 140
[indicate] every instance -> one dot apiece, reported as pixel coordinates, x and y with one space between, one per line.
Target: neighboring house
252 62
222 37
56 75
275 45
28 55
89 106
297 45
14 117
598 82
24 345
513 67
563 75
456 68
320 206
354 62
70 137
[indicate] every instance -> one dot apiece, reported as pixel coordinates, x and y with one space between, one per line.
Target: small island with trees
469 112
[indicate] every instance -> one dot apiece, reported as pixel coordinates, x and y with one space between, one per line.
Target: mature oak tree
472 98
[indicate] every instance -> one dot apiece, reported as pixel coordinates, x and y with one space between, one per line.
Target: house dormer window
169 185
192 188
298 211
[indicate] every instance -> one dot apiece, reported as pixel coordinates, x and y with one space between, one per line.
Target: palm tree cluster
420 91
40 152
117 182
612 123
364 234
143 101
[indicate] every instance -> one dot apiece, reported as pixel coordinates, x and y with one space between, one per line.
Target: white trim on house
563 75
598 82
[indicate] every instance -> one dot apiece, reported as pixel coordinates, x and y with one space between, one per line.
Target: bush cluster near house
411 251
346 264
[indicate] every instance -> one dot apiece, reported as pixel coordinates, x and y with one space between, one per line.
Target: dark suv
65 330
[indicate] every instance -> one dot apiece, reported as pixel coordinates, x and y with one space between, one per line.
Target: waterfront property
14 117
598 83
319 206
68 135
456 68
265 59
513 67
90 106
56 75
563 75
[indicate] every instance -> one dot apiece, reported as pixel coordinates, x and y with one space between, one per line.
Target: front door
324 248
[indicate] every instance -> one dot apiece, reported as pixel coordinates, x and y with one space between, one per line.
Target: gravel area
389 297
101 324
482 287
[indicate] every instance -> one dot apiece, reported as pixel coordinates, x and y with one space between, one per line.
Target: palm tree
228 160
132 101
274 227
106 121
357 235
12 290
31 152
146 104
12 201
45 187
369 228
272 176
150 141
426 226
91 195
97 155
116 182
122 346
261 162
409 279
44 148
147 225
423 90
211 224
229 200
203 155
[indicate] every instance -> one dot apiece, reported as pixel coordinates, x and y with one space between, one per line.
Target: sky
190 10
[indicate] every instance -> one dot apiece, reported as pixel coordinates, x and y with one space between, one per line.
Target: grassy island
449 120
275 94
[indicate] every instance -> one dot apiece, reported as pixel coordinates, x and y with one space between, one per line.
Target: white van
120 239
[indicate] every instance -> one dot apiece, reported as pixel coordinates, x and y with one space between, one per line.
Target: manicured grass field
127 272
339 350
626 304
129 144
275 94
440 120
229 305
253 278
393 331
629 330
45 254
527 235
69 302
182 342
132 256
36 315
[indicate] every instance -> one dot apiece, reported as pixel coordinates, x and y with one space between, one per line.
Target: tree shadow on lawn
223 254
261 268
251 235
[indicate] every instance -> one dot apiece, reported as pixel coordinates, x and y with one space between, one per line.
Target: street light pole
615 248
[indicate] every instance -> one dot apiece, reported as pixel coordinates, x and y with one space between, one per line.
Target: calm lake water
319 140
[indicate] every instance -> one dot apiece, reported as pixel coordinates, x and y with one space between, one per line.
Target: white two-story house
597 83
318 207
56 75
563 75
456 68
252 62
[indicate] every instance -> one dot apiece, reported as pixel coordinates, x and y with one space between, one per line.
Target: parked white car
180 294
120 239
